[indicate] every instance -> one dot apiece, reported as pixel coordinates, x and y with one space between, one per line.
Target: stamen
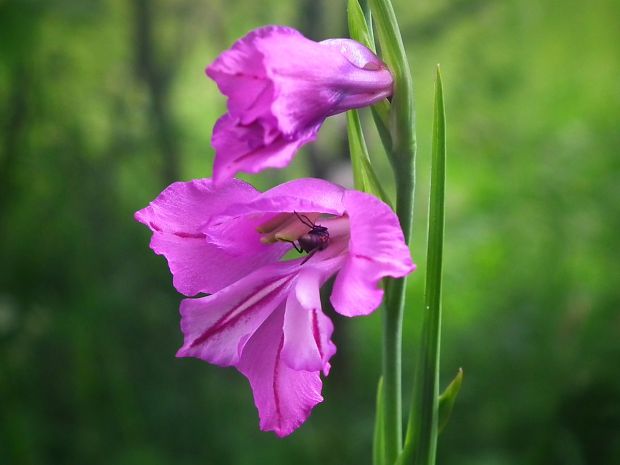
274 223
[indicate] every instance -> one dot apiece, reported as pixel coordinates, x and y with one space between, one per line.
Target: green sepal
359 29
381 117
364 175
378 444
447 399
401 121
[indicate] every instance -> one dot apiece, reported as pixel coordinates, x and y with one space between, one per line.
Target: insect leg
298 249
308 257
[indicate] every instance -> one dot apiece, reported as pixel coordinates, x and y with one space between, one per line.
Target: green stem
402 157
392 330
401 149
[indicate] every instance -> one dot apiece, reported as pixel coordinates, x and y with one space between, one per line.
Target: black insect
314 240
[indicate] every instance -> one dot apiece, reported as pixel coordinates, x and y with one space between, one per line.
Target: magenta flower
263 315
280 88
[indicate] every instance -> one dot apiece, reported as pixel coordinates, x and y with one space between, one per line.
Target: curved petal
358 55
240 74
254 147
369 79
376 249
307 331
177 217
216 327
300 195
283 396
183 207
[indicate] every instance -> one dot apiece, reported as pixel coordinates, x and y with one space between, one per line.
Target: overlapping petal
307 331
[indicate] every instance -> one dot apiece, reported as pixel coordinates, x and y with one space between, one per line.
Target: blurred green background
104 103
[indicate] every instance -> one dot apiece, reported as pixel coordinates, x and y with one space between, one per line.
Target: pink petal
177 217
307 331
300 195
376 249
240 73
283 396
357 54
185 206
217 327
252 148
312 79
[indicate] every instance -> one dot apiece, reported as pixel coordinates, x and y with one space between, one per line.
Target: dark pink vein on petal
225 320
276 370
186 235
316 332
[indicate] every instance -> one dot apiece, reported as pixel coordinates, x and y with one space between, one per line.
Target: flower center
308 232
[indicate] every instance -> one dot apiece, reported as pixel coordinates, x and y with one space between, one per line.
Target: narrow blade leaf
421 443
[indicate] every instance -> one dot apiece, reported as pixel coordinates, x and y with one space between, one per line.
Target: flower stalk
401 147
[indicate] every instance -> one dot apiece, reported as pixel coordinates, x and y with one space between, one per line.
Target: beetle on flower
263 314
280 87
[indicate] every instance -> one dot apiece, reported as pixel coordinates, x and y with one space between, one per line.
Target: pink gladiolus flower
280 88
263 315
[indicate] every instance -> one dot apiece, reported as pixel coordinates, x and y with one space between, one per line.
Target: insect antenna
307 221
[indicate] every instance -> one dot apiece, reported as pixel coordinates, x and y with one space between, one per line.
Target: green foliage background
104 102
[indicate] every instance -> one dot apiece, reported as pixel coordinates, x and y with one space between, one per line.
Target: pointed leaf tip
447 400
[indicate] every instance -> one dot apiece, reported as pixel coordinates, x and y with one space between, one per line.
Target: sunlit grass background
104 103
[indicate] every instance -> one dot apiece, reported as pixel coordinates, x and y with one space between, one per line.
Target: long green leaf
421 443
